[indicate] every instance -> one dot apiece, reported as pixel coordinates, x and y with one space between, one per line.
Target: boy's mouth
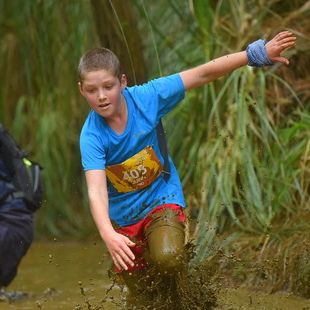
103 105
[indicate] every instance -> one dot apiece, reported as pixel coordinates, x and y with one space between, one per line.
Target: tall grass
241 144
245 172
40 103
234 141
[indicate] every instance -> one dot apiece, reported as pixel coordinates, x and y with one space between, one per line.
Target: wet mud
75 276
185 290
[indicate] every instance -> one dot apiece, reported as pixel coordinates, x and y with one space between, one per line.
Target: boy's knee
166 246
168 260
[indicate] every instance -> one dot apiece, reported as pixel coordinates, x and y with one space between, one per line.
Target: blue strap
257 54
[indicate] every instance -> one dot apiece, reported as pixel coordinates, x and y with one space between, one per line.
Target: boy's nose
101 95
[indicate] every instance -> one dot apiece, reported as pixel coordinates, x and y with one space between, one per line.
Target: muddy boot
166 241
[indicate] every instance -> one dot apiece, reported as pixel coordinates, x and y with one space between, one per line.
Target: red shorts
136 233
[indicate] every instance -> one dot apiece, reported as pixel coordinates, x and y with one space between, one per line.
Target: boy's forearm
223 65
98 200
100 213
213 69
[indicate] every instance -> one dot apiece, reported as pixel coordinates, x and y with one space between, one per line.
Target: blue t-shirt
102 147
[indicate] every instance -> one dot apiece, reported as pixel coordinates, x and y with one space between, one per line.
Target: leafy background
241 143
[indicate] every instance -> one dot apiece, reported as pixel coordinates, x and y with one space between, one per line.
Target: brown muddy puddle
75 276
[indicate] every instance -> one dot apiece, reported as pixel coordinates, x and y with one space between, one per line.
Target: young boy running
137 209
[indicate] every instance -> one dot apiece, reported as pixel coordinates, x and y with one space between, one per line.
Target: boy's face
102 90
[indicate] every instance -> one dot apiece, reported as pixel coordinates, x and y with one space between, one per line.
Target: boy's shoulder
159 85
153 82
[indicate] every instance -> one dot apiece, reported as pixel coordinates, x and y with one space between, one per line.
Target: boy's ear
123 80
80 88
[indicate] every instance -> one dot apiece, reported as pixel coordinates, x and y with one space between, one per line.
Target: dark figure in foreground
16 210
137 204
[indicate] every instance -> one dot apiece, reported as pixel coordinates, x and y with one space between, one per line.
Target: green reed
240 143
236 168
43 108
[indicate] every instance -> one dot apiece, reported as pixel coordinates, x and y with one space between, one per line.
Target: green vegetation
41 43
241 144
245 138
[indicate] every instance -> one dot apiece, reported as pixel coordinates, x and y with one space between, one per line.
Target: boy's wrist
257 54
106 232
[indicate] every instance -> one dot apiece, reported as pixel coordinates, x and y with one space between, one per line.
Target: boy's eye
91 90
109 86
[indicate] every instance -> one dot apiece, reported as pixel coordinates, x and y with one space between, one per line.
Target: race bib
135 173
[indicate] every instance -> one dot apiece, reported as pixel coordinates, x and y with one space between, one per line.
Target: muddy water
75 276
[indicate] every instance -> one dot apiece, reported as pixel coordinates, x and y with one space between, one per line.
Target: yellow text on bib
135 173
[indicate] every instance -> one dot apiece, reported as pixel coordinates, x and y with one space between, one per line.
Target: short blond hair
99 59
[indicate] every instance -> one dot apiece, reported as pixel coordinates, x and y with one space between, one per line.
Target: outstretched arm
117 244
218 67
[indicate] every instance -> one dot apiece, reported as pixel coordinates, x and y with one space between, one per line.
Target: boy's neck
119 121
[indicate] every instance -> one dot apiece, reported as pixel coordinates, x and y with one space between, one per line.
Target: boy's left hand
279 44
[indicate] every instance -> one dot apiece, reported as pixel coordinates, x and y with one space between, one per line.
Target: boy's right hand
119 247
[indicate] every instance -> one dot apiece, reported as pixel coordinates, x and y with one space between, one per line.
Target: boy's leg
159 239
165 235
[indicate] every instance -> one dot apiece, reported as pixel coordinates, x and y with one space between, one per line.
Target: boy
137 210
